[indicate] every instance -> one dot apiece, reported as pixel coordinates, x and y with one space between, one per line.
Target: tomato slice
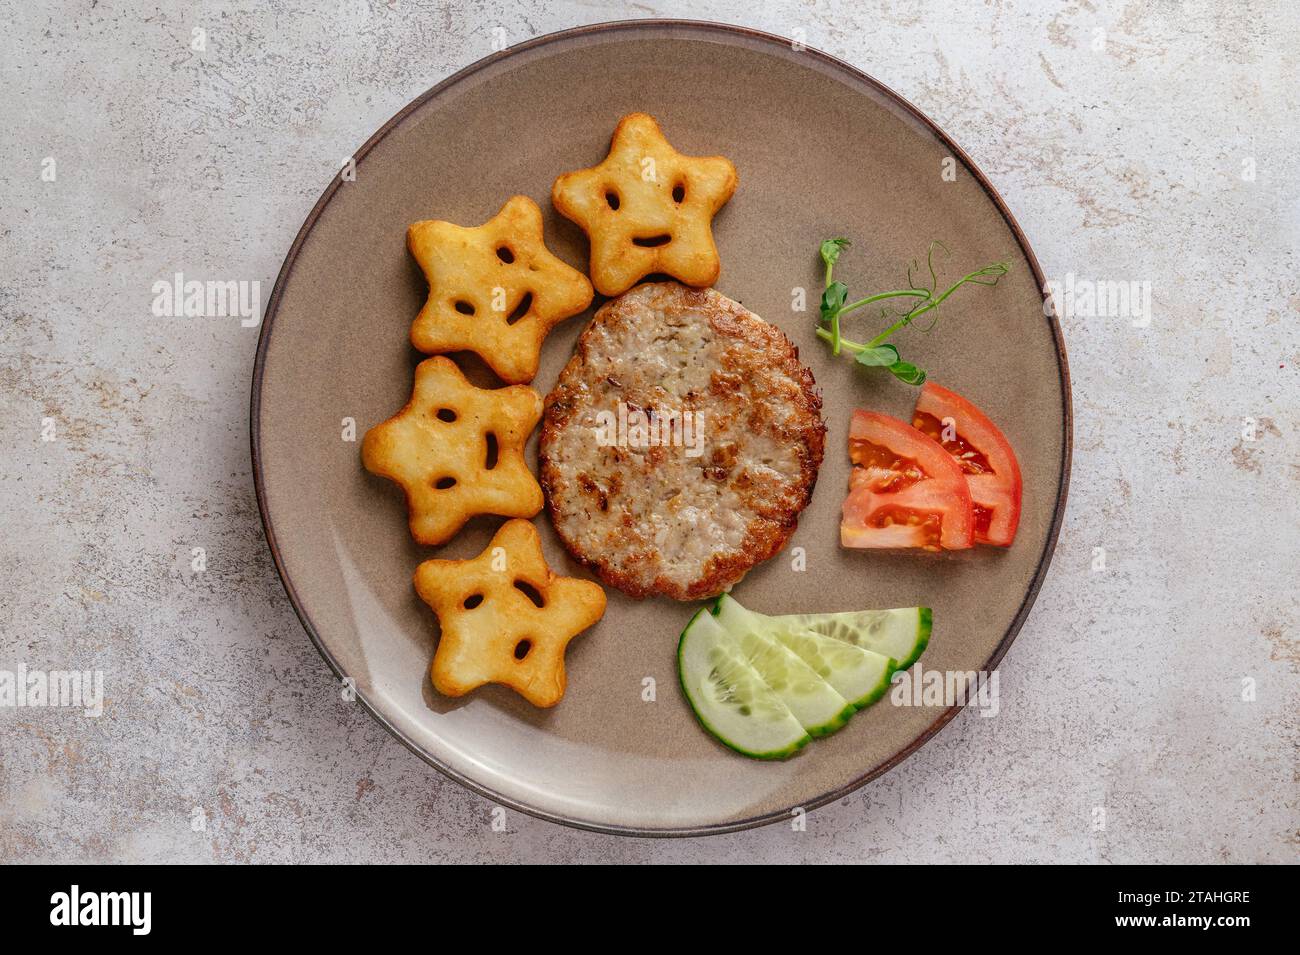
984 455
905 490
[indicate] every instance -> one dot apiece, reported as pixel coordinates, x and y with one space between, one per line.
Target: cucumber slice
860 676
813 701
730 698
901 634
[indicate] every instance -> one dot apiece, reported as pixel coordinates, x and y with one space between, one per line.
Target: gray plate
822 150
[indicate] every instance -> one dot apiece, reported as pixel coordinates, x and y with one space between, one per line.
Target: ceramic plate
822 150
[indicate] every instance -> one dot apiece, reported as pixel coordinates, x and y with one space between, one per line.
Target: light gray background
1126 155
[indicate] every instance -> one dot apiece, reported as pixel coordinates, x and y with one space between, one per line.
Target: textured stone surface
1125 153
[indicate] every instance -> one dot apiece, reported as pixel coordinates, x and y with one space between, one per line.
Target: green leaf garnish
906 371
833 300
880 355
832 303
876 353
831 250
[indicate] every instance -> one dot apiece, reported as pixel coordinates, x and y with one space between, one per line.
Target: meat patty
680 443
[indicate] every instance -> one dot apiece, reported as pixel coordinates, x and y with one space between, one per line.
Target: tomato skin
995 485
906 490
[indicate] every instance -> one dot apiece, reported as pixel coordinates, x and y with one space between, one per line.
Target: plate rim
725 31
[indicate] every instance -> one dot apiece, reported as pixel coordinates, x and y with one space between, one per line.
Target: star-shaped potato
647 208
457 451
506 617
494 289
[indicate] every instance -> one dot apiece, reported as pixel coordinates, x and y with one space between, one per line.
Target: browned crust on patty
687 349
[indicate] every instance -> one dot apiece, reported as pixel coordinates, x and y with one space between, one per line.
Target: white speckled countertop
1149 708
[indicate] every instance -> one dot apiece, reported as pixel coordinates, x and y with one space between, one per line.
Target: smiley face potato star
506 617
457 451
647 208
494 289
